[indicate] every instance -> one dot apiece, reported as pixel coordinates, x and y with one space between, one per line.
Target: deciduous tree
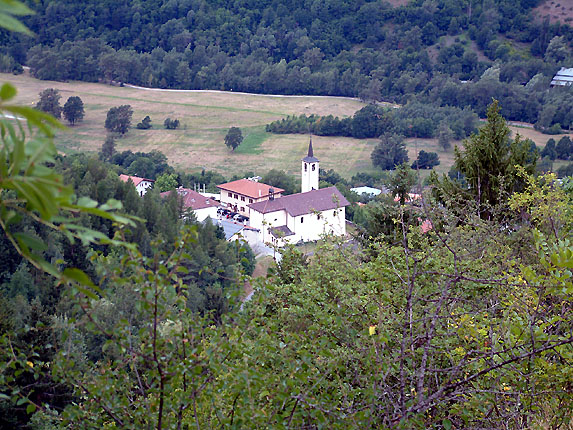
119 119
50 102
233 138
426 160
145 123
74 109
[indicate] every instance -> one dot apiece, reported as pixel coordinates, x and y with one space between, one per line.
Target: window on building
242 198
301 219
236 196
250 200
305 167
313 167
230 194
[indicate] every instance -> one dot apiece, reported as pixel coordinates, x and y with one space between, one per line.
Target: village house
141 184
203 207
305 216
237 195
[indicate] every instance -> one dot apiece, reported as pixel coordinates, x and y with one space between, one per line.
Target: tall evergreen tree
488 162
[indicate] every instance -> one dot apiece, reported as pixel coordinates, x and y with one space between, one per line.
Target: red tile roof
135 179
304 203
249 188
192 199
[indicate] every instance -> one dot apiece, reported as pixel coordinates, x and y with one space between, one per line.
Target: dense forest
444 53
449 310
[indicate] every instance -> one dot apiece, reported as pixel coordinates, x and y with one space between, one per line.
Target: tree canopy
389 152
73 109
50 102
118 119
488 162
233 138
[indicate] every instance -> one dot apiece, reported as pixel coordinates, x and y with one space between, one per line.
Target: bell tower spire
310 169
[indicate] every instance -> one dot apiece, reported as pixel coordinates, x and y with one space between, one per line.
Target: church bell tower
309 171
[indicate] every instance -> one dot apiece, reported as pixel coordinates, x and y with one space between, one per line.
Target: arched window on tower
305 167
313 167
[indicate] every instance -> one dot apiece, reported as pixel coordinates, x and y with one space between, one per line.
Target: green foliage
145 123
171 124
166 182
145 164
278 178
39 192
73 110
119 119
389 152
566 170
108 148
402 181
564 148
426 160
549 150
545 204
489 163
233 138
445 136
9 9
50 102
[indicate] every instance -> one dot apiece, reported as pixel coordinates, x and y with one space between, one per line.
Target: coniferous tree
488 163
390 152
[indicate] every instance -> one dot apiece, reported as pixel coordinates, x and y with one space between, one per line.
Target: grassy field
205 118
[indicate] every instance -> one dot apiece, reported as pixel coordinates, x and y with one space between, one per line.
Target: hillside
205 118
555 11
432 52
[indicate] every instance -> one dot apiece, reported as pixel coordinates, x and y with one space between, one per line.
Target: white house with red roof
141 184
237 195
202 206
304 216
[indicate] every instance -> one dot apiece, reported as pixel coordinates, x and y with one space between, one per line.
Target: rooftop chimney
271 193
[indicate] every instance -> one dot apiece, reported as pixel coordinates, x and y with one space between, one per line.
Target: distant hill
430 51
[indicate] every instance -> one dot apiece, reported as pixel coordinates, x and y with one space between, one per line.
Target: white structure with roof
304 216
203 207
564 77
310 169
237 195
141 184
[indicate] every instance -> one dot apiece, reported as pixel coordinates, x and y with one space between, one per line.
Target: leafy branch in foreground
29 187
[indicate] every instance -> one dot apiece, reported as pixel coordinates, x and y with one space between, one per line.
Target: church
301 217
